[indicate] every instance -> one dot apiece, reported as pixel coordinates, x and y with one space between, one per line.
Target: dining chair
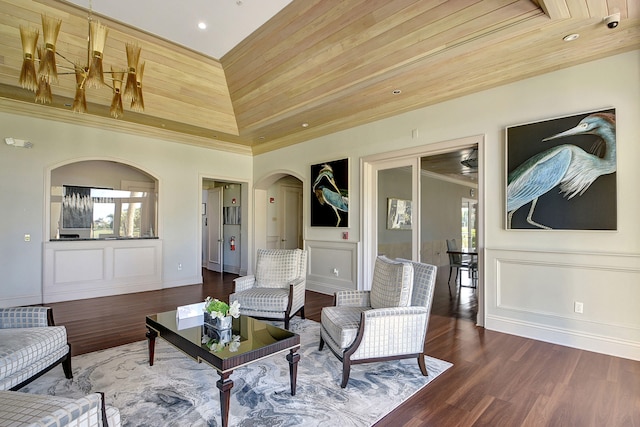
458 262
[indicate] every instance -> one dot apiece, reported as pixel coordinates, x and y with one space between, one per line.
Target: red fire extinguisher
232 243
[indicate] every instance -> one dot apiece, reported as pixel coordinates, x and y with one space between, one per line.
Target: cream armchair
277 290
30 345
37 410
388 322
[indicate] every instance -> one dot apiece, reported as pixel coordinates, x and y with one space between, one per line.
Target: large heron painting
330 198
562 173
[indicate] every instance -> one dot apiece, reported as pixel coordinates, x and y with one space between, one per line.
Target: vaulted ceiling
329 64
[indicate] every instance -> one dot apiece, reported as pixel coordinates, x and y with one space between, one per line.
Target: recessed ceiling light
396 92
571 37
202 25
305 125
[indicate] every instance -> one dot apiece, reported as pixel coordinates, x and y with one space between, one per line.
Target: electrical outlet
336 272
578 307
180 267
27 237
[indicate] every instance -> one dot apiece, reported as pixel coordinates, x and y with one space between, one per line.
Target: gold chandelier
89 74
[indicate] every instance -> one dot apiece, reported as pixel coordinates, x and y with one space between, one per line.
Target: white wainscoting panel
533 294
333 266
95 268
134 262
88 265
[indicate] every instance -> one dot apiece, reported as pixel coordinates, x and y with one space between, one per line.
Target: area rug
178 391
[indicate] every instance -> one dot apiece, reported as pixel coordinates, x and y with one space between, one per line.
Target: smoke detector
18 142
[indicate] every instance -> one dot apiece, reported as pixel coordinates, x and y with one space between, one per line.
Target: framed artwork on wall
561 173
398 214
77 207
330 194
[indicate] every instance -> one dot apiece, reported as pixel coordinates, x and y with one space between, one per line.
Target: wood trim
330 63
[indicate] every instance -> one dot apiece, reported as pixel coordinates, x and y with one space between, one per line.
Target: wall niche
102 199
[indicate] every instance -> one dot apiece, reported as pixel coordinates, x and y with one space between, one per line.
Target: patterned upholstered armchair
30 345
277 290
37 410
388 322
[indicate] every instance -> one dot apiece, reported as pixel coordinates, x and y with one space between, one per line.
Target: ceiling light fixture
88 75
305 125
471 161
396 92
202 25
571 37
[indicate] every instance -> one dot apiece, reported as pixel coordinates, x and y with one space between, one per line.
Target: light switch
27 237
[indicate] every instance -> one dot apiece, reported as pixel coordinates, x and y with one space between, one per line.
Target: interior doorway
279 211
431 196
291 214
285 211
223 226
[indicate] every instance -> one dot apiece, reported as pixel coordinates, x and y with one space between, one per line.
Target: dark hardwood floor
496 379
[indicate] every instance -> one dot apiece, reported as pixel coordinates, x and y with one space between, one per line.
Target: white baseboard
565 337
20 301
193 280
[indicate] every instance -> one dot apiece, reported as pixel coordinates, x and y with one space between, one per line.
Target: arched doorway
279 211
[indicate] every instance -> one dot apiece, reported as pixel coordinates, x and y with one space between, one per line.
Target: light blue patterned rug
177 391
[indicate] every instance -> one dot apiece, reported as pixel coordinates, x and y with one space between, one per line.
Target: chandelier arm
65 58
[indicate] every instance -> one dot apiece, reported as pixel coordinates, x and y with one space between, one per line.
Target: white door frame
372 208
215 229
246 207
370 165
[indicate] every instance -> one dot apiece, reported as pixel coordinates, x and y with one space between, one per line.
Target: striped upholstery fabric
22 409
26 351
275 268
392 283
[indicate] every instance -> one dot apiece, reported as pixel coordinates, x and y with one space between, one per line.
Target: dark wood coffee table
257 341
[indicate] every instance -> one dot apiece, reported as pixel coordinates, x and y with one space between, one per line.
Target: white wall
531 277
601 269
22 195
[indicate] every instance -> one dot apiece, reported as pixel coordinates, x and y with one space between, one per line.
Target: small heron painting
562 173
330 194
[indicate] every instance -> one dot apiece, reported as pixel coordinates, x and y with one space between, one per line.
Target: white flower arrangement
221 309
214 345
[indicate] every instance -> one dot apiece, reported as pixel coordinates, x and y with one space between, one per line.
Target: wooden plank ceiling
332 64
